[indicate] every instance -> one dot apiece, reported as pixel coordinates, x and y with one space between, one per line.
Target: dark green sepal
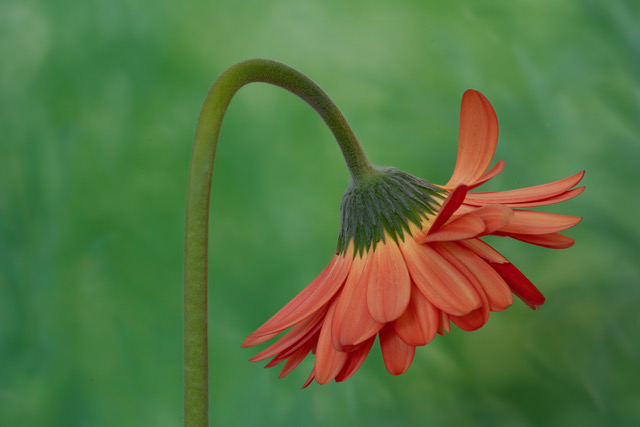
385 202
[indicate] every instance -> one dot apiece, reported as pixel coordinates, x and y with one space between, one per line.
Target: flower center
385 202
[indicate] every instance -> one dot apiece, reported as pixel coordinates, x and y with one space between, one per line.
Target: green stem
196 388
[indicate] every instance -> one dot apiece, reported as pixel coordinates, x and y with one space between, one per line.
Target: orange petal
352 322
310 379
477 139
483 250
329 361
298 356
389 284
472 321
307 302
562 197
295 337
495 217
355 359
551 240
445 324
519 284
464 227
251 340
397 354
528 195
449 207
478 317
472 223
419 323
535 222
490 174
498 294
438 280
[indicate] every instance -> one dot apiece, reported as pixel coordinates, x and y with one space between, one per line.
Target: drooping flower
410 260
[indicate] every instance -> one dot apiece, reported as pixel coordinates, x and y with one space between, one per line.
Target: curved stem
196 395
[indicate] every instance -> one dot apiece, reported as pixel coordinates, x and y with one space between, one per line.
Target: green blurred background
98 105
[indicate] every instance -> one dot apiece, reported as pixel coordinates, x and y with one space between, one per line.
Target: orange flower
410 261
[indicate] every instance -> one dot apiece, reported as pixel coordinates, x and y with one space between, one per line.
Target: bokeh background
98 105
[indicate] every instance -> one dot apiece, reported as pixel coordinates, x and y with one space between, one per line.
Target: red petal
483 250
352 322
355 360
490 174
562 197
445 324
551 240
419 323
397 354
329 361
477 139
310 379
294 360
495 217
448 208
389 284
478 317
472 321
438 280
251 340
294 338
273 362
498 294
519 284
474 222
307 302
529 195
464 227
535 222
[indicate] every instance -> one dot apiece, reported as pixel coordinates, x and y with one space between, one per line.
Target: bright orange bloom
410 261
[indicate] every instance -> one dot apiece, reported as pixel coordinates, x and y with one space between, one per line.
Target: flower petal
251 340
483 250
298 356
477 139
490 174
329 361
519 284
478 317
438 280
471 222
551 240
472 321
445 324
535 222
307 302
449 207
562 197
498 294
527 195
294 338
495 217
397 354
310 379
352 322
464 227
355 359
389 286
419 323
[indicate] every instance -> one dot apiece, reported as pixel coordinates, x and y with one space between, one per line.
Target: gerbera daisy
410 260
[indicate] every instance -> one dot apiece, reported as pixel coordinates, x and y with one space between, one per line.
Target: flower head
410 260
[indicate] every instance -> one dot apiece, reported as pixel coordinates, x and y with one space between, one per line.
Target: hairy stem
196 394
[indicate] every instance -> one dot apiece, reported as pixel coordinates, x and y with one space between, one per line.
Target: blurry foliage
98 104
